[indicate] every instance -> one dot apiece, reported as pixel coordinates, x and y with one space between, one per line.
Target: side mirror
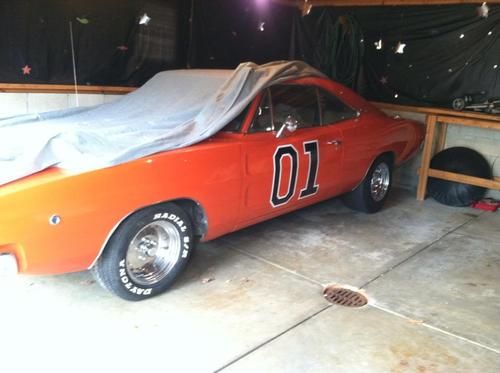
290 124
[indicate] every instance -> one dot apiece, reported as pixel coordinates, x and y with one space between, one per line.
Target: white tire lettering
124 278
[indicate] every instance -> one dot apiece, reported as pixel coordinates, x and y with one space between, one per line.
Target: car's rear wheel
370 195
146 253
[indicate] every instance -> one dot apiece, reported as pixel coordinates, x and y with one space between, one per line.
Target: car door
287 168
335 113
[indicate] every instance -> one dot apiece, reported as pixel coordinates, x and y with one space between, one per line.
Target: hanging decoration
378 44
145 19
306 8
83 20
400 48
483 11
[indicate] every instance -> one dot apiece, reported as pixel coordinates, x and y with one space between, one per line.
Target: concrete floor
432 274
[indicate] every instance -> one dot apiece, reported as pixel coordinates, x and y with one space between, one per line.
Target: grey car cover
173 109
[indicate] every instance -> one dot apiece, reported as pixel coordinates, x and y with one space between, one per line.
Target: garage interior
253 300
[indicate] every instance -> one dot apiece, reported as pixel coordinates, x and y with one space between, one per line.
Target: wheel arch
194 209
389 153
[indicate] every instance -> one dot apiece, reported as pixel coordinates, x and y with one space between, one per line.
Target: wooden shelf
63 88
437 111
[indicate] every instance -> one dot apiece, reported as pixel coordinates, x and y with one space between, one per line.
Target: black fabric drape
226 33
450 51
111 47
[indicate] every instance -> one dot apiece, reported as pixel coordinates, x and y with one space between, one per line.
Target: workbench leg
426 156
441 140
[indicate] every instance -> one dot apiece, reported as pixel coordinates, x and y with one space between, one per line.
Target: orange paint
230 175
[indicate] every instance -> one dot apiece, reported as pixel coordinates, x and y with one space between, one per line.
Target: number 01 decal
311 188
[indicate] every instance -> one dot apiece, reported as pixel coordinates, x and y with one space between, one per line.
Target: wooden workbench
437 122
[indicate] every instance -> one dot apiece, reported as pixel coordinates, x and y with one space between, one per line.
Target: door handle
334 142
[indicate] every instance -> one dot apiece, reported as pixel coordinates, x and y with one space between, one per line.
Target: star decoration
400 48
483 10
306 9
144 19
384 80
26 70
83 20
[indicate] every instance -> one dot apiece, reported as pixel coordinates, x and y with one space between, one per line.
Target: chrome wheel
379 183
153 252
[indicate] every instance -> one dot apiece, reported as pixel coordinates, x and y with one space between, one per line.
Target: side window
262 121
300 102
333 110
236 123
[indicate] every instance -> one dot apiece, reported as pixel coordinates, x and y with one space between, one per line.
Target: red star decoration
26 70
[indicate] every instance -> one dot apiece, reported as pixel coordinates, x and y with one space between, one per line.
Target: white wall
484 141
27 103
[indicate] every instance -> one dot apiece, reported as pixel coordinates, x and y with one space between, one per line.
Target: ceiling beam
301 3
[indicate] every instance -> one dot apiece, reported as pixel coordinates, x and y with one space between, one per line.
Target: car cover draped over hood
173 109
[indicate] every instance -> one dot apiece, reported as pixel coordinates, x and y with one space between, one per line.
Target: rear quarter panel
372 134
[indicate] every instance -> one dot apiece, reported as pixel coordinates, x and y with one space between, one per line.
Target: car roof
199 73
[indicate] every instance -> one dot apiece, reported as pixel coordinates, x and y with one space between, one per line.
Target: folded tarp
172 110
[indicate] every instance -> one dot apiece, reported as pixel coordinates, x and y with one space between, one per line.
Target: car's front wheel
370 195
146 253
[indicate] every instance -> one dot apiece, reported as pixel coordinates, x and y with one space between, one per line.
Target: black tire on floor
460 160
146 253
364 198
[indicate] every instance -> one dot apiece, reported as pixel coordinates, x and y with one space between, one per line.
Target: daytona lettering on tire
146 253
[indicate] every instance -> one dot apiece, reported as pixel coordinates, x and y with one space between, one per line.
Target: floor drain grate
344 296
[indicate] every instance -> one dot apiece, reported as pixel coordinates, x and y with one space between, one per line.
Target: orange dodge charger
134 225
